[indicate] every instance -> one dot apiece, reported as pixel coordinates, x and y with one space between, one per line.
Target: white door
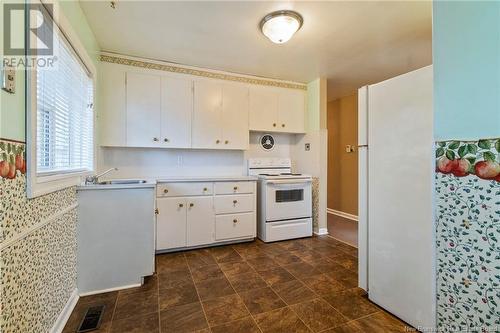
263 109
143 110
170 223
401 261
200 221
291 110
206 130
234 118
176 111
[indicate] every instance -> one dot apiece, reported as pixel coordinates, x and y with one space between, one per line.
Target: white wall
157 162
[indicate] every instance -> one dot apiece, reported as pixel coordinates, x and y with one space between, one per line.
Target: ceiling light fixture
280 26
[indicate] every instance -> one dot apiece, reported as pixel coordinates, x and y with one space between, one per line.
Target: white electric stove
284 203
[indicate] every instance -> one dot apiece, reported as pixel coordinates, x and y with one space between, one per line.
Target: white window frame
38 185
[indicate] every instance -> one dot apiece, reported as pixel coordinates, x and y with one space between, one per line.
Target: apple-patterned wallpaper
37 248
467 235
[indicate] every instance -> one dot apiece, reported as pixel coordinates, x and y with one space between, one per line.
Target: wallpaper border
480 158
123 60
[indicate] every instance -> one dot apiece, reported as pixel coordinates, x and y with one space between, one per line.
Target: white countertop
206 179
176 179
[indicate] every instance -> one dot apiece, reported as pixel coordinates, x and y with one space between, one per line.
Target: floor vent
92 319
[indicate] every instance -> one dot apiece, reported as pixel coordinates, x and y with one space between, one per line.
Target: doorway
342 123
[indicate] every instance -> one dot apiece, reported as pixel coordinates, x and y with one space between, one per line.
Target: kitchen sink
122 181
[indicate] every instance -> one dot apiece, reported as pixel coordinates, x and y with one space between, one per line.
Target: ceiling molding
174 68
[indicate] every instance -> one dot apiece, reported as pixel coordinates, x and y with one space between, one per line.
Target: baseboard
321 231
342 214
65 313
110 290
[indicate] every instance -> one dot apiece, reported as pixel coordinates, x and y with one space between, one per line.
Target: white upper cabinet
220 117
150 108
263 108
143 110
176 111
111 115
206 130
291 110
235 132
159 111
277 109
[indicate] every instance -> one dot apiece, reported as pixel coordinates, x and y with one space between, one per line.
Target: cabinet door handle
226 142
157 211
217 141
235 188
235 221
205 189
165 191
235 201
155 139
181 205
274 124
191 204
282 125
166 140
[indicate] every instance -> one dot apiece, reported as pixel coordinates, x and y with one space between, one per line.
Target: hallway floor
304 285
343 229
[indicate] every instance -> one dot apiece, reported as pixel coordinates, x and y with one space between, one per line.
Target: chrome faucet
94 179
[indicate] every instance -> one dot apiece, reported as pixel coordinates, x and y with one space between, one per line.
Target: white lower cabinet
200 221
234 226
225 204
171 223
190 214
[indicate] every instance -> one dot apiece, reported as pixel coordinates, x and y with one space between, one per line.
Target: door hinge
157 211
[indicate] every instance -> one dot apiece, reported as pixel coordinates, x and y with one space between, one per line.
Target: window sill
42 185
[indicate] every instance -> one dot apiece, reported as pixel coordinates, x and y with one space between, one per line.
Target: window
60 141
64 106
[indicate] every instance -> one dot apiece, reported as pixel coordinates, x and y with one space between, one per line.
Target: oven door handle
289 182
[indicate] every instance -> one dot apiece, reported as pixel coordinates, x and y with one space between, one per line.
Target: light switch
9 80
349 148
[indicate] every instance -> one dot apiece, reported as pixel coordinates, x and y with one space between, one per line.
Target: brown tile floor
304 285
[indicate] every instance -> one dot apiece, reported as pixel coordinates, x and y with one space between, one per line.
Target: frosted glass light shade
280 26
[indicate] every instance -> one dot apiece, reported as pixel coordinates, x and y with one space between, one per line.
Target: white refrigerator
396 220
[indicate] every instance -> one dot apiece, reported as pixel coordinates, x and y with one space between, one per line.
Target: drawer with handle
234 187
183 189
234 203
235 226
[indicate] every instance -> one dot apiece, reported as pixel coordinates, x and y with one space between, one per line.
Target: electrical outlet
9 80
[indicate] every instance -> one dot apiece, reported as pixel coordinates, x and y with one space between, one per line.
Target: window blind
65 116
